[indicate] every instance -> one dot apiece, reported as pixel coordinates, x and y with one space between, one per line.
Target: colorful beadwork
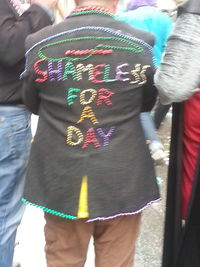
45 209
139 74
55 72
88 113
88 52
74 130
134 48
40 72
71 96
120 73
98 73
106 74
90 10
91 139
124 214
81 68
69 70
138 48
104 95
106 137
83 100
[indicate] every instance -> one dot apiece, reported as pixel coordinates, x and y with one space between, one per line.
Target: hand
46 3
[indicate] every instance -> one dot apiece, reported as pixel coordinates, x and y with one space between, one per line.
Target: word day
64 70
75 137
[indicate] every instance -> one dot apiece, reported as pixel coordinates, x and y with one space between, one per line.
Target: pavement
30 238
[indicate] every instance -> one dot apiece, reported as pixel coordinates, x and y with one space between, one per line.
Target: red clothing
191 142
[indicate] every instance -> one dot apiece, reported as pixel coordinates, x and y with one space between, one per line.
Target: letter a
91 139
88 113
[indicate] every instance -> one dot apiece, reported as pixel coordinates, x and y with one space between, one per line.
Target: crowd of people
94 79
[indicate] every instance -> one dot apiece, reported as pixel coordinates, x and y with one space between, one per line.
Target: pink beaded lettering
98 73
40 72
88 52
104 95
91 139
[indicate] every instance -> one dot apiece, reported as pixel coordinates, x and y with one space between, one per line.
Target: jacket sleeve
178 77
14 30
30 94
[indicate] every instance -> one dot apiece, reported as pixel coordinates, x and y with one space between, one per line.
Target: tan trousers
114 241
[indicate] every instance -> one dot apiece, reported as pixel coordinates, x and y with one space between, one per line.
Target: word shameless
101 73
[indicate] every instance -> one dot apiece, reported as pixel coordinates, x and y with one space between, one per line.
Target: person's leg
66 241
115 241
15 138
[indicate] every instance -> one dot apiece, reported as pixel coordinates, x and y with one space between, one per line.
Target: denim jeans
15 140
149 127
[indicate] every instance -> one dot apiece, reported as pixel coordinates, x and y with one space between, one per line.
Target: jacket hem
45 209
66 216
124 214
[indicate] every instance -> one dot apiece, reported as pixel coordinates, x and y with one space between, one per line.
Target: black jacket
13 31
81 101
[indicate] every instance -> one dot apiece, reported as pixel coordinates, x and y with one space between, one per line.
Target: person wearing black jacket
90 169
15 133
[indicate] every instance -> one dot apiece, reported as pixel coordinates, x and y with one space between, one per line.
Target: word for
88 96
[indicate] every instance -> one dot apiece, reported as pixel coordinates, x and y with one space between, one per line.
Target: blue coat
152 20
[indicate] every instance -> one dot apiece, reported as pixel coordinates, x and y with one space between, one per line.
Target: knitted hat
134 4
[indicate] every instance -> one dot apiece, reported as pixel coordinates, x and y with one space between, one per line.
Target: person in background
145 15
178 80
15 133
90 169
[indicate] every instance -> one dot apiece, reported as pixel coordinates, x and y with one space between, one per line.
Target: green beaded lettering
106 74
71 96
70 70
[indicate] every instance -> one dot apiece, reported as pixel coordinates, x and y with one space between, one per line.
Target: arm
14 30
30 93
179 74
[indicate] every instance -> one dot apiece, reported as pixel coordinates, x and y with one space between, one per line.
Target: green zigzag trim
56 213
